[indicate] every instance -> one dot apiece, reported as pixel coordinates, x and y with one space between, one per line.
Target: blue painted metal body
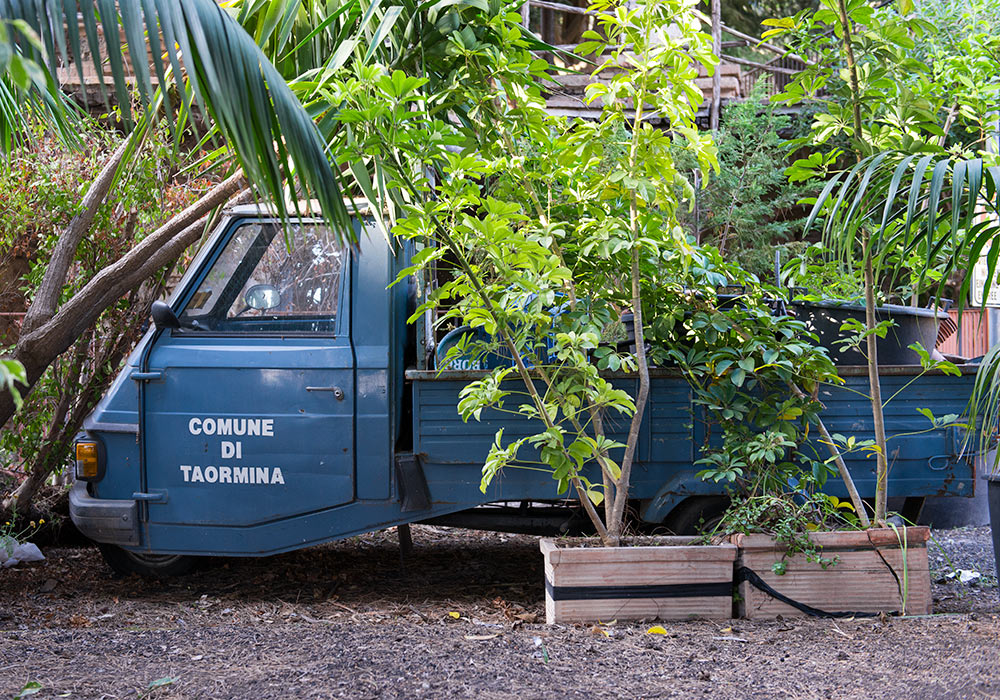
317 418
922 462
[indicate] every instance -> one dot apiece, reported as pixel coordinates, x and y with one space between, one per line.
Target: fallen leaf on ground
30 688
160 682
454 615
481 637
656 629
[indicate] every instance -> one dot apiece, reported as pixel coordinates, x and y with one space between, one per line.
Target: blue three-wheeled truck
279 401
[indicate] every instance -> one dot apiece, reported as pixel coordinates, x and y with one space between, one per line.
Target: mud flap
413 492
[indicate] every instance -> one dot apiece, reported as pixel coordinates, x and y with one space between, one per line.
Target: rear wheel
696 515
124 562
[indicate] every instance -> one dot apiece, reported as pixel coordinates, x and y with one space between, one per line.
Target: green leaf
737 377
29 688
19 72
160 682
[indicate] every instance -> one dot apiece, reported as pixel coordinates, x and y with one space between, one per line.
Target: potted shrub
551 232
881 217
801 551
885 209
847 573
669 578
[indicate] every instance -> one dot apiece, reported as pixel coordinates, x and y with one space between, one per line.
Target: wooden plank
844 538
723 68
865 578
762 66
652 608
677 563
549 549
643 574
636 555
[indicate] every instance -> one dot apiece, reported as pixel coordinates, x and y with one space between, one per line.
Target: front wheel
124 562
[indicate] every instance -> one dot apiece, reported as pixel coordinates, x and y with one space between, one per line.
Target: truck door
249 405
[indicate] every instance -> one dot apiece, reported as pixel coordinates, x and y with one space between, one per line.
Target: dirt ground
462 619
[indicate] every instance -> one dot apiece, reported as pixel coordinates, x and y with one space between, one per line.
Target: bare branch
150 254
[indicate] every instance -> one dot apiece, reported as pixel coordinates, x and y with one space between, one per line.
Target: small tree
551 229
877 205
40 193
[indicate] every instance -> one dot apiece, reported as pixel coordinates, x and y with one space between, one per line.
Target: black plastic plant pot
911 325
993 496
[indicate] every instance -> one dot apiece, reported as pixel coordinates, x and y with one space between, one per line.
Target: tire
696 515
123 562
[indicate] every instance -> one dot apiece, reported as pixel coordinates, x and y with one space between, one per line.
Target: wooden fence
972 339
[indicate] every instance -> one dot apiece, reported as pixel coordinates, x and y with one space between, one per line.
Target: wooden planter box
675 581
874 573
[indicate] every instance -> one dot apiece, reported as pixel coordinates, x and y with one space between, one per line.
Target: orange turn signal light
86 460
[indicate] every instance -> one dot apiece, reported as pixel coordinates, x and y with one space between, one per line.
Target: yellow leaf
656 630
454 615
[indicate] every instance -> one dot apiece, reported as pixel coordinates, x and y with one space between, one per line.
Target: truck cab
272 372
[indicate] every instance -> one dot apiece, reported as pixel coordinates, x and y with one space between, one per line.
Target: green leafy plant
748 208
755 377
11 532
541 232
871 210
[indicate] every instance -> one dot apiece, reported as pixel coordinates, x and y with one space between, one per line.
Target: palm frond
941 212
227 74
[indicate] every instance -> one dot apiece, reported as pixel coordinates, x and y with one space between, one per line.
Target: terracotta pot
675 580
875 572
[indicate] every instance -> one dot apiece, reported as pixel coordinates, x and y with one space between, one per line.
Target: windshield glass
261 281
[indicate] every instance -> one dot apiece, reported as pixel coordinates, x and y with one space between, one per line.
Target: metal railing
777 70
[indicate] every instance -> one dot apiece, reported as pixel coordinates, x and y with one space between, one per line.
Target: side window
266 282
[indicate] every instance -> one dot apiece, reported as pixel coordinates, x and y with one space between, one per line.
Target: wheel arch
673 493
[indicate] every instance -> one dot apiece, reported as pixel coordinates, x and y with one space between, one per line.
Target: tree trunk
875 389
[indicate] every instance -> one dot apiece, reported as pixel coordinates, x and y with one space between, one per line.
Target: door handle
338 393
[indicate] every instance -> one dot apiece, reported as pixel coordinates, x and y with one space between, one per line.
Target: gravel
969 550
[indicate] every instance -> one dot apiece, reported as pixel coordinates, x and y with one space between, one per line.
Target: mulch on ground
463 618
